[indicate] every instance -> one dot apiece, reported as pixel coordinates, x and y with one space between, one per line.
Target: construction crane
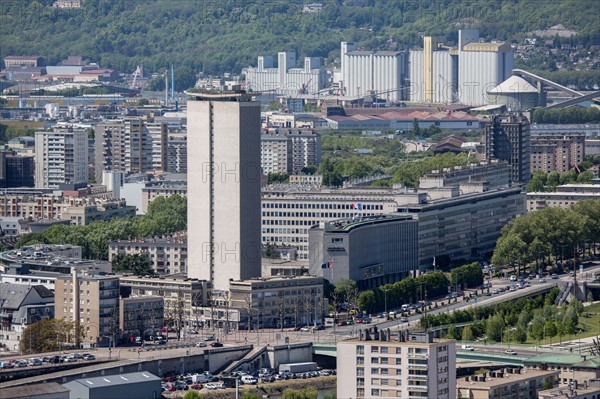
138 72
304 88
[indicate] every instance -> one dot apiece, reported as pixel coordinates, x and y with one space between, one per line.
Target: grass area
589 323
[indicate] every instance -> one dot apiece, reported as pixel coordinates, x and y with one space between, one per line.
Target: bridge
542 82
329 349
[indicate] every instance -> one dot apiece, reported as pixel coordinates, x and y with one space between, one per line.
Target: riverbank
265 390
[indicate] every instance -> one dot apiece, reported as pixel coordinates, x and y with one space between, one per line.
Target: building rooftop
46 389
347 225
12 295
492 380
113 380
514 84
495 47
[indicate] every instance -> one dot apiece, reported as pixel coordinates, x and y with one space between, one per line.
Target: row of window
287 205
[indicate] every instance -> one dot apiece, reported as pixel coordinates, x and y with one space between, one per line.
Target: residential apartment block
179 293
22 305
141 316
509 383
131 145
288 151
93 300
48 204
556 152
564 196
177 153
162 188
507 138
168 255
396 365
60 157
278 301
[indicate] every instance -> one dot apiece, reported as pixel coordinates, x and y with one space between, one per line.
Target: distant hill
217 36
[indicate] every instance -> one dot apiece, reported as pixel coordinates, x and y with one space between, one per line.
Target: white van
200 378
248 379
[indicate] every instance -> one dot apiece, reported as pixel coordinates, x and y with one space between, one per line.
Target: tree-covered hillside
216 36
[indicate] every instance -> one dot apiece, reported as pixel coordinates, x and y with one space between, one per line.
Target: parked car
248 380
20 363
209 338
88 356
468 348
554 276
34 361
6 365
196 386
216 344
510 352
201 344
404 320
305 329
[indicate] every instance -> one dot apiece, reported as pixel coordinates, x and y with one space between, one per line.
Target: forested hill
217 36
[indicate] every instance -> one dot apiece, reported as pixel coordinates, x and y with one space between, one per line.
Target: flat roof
112 380
29 391
346 225
507 379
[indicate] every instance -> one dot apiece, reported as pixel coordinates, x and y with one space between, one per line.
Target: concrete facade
60 157
168 255
224 189
507 138
509 383
372 251
408 365
288 151
564 196
557 152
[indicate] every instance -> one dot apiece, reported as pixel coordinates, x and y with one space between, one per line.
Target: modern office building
289 212
494 173
380 73
60 157
93 301
16 170
592 146
372 250
508 383
131 145
564 196
463 226
507 138
396 365
276 301
288 151
556 152
224 187
286 79
479 208
168 255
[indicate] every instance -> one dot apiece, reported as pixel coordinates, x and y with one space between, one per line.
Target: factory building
286 79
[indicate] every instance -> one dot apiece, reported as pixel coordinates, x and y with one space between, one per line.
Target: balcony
421 388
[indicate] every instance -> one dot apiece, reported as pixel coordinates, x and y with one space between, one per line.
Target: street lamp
385 300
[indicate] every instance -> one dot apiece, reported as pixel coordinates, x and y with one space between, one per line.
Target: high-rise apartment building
223 187
60 157
556 152
396 365
507 138
288 151
130 145
177 153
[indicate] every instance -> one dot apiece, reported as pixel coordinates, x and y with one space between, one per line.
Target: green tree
143 101
138 264
366 301
250 396
520 335
494 327
47 335
307 393
470 275
550 329
467 334
193 394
